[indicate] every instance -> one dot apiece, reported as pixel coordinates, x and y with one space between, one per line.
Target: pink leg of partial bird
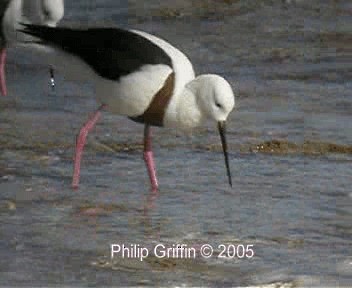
81 141
148 158
2 72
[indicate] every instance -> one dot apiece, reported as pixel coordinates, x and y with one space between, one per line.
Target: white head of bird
214 99
52 11
207 97
214 96
46 12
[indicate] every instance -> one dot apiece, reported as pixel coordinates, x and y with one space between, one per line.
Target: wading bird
140 76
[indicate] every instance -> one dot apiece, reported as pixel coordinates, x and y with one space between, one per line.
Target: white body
193 100
140 87
191 103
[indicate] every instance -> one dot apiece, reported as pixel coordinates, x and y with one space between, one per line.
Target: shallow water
290 139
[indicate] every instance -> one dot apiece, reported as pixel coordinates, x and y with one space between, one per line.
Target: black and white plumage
141 76
14 12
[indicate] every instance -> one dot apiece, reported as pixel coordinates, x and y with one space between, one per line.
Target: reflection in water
149 203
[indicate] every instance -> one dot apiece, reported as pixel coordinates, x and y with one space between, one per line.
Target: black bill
222 131
52 78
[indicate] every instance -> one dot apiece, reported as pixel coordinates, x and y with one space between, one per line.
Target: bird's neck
183 111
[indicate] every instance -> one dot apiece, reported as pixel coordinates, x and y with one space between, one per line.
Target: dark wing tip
34 30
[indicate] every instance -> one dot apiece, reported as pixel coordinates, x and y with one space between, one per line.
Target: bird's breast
154 114
132 94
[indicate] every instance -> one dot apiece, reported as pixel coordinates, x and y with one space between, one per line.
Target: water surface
290 140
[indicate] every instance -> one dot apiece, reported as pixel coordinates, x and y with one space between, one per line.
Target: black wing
111 52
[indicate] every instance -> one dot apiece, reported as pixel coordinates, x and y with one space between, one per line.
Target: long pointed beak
52 78
222 132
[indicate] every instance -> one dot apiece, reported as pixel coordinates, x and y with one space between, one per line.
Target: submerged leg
81 141
148 158
2 72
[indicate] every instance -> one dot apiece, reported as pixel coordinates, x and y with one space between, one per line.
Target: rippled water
290 139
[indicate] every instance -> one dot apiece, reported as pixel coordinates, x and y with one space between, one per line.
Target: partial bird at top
14 12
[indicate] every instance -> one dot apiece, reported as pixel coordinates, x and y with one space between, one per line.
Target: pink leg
2 72
81 141
148 158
